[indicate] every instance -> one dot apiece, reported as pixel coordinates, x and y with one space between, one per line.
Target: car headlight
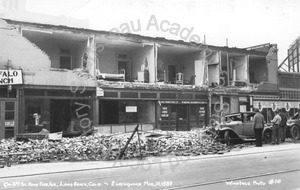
218 127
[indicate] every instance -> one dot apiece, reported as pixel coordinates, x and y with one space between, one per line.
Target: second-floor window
65 59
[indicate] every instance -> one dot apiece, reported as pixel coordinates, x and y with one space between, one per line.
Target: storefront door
197 116
182 118
8 119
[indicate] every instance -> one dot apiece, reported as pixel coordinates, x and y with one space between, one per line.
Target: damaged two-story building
52 93
81 79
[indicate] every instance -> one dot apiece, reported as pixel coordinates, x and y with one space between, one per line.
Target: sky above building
243 22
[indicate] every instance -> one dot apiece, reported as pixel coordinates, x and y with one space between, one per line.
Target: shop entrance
8 119
182 117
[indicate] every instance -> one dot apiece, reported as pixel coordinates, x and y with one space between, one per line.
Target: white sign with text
11 77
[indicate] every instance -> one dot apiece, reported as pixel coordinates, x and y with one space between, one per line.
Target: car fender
289 125
222 130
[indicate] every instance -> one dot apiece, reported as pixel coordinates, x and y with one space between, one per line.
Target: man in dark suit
258 126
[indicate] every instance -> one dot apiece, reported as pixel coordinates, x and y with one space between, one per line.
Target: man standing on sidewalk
275 129
258 126
282 127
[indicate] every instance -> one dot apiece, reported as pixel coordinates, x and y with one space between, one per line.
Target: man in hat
258 126
275 129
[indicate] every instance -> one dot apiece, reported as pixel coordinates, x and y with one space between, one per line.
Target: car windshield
241 117
296 116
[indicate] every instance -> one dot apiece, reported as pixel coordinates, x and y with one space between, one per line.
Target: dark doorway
171 73
122 65
109 112
60 115
182 123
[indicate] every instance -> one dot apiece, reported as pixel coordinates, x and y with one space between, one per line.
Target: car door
248 131
236 124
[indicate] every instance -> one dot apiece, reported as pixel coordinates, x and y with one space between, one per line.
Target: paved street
269 167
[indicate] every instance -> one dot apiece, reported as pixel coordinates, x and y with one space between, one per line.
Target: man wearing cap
258 126
282 127
275 129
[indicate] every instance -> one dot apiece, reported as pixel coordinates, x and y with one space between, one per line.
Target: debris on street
108 146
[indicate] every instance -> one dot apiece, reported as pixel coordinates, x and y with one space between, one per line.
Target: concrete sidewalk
23 170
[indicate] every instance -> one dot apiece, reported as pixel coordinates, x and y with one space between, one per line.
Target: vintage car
238 128
293 127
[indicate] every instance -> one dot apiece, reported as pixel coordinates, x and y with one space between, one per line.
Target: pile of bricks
108 147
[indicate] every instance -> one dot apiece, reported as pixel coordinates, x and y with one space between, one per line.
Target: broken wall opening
214 69
174 60
238 70
136 61
224 69
257 69
66 50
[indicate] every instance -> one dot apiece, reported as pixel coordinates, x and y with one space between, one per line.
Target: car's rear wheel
227 137
294 131
267 136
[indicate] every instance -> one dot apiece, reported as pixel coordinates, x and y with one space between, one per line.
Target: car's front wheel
227 137
294 131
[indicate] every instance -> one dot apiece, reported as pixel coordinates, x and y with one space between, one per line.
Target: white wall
273 69
22 53
213 74
214 68
241 66
107 60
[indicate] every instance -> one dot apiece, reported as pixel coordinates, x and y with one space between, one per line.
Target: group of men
279 127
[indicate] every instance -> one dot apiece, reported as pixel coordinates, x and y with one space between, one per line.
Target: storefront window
9 110
57 115
146 112
126 112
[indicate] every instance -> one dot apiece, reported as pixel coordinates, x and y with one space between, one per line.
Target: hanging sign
11 77
131 109
287 106
258 105
274 106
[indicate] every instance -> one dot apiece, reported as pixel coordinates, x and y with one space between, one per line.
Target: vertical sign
164 111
